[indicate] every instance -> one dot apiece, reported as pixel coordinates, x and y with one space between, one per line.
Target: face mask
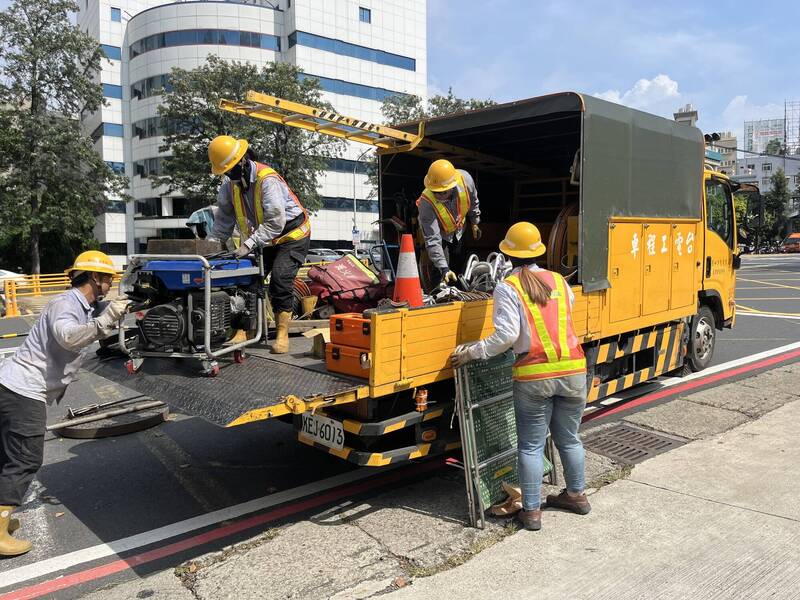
235 174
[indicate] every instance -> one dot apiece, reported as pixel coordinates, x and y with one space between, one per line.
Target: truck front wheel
702 339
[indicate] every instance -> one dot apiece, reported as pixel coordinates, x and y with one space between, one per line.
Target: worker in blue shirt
39 372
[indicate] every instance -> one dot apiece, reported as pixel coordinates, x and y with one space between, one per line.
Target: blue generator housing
184 275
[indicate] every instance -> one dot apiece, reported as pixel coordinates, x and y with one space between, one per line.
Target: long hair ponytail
536 289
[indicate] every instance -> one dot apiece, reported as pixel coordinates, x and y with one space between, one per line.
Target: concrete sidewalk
717 518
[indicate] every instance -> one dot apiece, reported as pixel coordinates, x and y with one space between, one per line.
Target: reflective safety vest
263 171
448 223
555 350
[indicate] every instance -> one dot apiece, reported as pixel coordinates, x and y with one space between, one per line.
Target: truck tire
702 339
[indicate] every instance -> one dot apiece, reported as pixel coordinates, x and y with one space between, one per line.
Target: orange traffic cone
406 285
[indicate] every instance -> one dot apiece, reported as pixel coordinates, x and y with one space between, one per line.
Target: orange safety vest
555 350
448 223
264 171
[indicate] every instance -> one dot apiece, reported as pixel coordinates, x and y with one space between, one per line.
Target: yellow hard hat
441 176
523 240
224 152
94 261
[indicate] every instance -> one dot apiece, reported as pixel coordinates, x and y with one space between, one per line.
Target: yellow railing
34 286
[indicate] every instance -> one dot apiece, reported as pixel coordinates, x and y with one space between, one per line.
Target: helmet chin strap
245 180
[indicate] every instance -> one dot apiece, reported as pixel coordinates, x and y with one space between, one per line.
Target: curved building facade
360 50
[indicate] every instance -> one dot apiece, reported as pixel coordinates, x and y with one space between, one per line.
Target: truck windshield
718 210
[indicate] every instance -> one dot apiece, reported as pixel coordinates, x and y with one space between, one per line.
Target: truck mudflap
660 350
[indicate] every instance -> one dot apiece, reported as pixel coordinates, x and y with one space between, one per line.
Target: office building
362 51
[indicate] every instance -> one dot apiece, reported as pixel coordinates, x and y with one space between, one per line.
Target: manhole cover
629 445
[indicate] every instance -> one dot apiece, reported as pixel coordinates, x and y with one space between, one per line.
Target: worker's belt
296 229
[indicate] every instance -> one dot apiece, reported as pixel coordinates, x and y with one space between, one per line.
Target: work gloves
114 312
463 354
242 251
448 276
476 232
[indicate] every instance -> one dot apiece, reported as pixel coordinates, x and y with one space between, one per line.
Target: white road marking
72 559
767 315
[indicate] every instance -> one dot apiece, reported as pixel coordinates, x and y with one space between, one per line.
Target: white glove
114 312
449 277
463 354
242 251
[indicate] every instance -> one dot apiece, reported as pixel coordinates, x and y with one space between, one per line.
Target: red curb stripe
53 585
689 385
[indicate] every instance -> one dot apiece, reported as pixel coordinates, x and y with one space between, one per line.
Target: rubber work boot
530 519
10 546
281 344
578 504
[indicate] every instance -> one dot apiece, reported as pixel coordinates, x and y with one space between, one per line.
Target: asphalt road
91 492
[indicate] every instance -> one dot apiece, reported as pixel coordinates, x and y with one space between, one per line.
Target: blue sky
732 60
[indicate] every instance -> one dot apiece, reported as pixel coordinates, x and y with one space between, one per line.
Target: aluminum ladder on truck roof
387 140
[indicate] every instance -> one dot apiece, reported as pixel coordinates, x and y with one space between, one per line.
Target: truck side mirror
737 261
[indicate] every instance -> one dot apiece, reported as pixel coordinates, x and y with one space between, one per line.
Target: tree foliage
191 110
774 146
52 181
400 109
775 206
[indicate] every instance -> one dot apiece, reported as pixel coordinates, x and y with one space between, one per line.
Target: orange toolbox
350 329
347 360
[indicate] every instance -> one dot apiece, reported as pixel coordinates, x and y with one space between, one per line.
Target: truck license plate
326 431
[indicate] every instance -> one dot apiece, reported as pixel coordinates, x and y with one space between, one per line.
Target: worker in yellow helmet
448 200
39 373
533 316
270 219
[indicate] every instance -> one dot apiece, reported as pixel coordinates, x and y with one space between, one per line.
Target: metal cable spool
557 242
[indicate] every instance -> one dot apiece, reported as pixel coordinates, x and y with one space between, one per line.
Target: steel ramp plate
239 388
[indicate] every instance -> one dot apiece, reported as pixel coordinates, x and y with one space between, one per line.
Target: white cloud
740 109
659 95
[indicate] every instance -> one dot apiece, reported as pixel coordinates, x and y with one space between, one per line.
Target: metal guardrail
35 286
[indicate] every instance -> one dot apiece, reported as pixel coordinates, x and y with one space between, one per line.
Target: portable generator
190 306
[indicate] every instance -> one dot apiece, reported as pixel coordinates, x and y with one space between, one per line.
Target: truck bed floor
263 380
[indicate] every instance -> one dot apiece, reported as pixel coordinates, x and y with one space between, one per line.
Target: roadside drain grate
630 445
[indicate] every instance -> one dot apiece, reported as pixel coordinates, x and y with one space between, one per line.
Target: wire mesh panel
488 431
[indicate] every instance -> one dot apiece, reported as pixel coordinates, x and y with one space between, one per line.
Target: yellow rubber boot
10 546
281 344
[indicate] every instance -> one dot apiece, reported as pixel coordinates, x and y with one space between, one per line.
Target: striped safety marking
668 344
382 459
387 426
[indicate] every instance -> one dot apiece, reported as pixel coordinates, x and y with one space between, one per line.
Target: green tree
775 206
52 181
400 109
191 111
774 146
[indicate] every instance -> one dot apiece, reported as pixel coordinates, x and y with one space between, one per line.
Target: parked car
316 255
791 244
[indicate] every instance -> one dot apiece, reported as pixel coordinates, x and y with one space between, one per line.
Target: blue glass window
117 167
116 15
337 86
187 37
364 15
343 165
148 167
353 50
112 129
112 91
116 206
112 52
346 204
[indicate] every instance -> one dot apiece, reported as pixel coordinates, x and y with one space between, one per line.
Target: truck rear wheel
702 339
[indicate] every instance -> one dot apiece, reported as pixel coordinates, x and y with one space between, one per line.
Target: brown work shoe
577 504
530 519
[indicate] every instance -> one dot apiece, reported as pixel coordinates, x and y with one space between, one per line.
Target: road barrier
33 290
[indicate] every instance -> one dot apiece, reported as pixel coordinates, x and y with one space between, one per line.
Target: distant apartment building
757 134
361 51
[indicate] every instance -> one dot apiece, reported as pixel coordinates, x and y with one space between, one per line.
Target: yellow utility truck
643 232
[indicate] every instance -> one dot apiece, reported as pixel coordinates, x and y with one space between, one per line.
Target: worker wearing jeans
533 314
40 371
